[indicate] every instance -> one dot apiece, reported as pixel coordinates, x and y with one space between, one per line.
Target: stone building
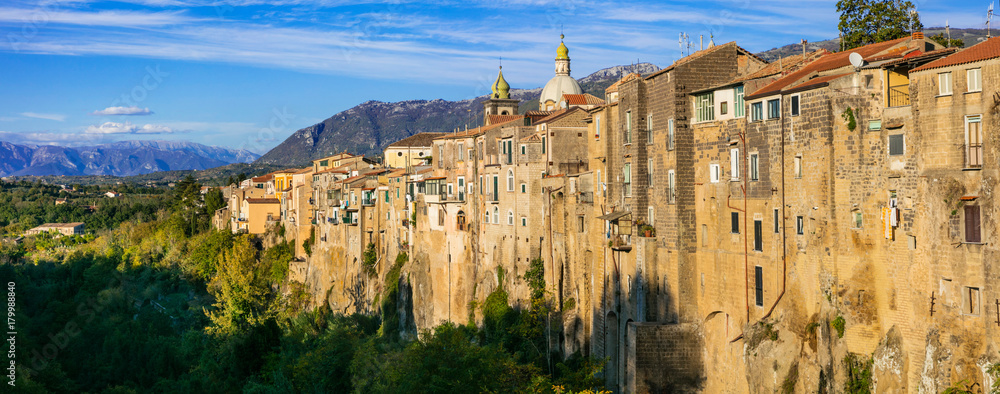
410 151
61 228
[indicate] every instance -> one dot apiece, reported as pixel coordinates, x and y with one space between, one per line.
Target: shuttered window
758 236
758 279
734 222
896 146
739 106
974 141
972 227
704 107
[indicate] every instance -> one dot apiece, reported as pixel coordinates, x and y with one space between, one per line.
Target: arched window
487 216
510 180
510 218
496 215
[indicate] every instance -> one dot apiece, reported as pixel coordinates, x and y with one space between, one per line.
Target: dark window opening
973 232
758 236
758 274
735 222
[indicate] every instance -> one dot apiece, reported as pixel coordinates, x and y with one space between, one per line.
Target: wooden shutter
758 236
972 228
758 273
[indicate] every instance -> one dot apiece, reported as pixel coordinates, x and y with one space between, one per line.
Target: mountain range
123 158
370 126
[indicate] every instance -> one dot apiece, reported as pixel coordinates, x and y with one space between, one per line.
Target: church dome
558 86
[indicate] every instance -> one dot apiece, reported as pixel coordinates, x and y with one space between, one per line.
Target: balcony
899 96
620 243
585 198
368 202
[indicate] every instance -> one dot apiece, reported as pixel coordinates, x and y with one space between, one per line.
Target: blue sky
248 73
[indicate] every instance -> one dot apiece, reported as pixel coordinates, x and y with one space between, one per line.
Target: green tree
214 200
864 22
242 299
950 43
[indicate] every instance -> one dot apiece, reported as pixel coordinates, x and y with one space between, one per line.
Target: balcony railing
368 202
899 95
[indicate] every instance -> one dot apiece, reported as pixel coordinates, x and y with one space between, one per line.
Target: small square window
774 109
975 80
723 108
713 173
874 125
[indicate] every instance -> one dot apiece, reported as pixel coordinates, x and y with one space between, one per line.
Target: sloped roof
825 63
786 64
557 115
481 129
419 140
626 78
582 99
988 49
493 119
813 83
262 201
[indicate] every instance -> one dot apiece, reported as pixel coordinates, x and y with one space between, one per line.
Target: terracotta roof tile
420 139
825 63
494 119
582 99
262 201
988 49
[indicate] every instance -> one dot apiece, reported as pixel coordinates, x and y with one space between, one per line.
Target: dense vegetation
162 304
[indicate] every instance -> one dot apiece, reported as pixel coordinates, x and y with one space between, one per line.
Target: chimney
917 41
701 42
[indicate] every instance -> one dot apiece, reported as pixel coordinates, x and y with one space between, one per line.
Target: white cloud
128 128
55 117
45 15
123 111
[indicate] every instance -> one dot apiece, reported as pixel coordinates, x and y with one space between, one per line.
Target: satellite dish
856 60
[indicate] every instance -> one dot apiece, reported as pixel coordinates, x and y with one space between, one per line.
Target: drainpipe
784 250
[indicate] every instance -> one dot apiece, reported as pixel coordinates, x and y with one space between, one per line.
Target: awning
614 215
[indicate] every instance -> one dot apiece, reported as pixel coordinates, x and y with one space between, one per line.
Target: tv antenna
989 17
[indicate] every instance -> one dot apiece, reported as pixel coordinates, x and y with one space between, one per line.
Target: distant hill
123 158
970 36
369 127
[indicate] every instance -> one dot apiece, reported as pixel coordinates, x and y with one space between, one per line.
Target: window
975 79
496 215
670 134
597 126
974 141
973 232
758 280
970 301
461 151
800 225
794 104
874 125
649 215
704 107
649 129
859 218
739 106
627 173
896 146
581 224
734 163
524 150
510 151
671 188
798 167
510 218
754 167
649 173
777 221
524 188
628 127
713 173
734 222
944 84
524 221
487 216
774 109
451 190
758 235
440 158
510 180
723 108
704 235
756 111
461 189
543 145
